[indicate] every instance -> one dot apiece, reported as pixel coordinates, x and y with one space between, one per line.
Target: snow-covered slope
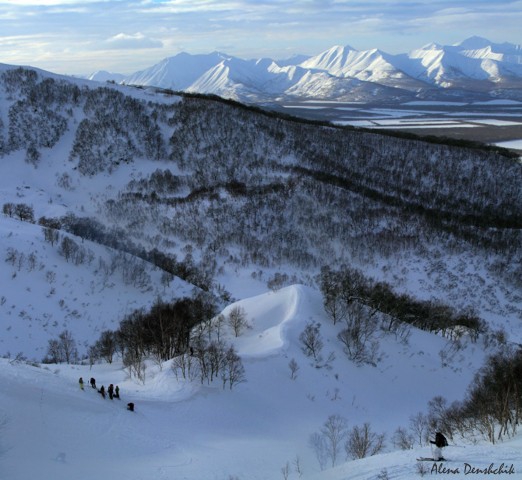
178 72
370 65
44 294
183 429
447 66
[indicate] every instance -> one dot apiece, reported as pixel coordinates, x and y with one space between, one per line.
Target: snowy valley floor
50 429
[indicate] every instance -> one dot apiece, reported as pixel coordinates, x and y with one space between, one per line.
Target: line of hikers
112 391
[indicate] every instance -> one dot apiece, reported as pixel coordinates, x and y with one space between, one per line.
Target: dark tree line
161 333
183 331
347 289
164 331
118 239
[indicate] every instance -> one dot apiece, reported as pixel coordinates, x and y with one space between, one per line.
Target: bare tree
68 247
233 370
68 346
24 212
285 471
333 301
419 428
328 443
311 341
334 431
294 367
297 466
8 209
318 444
186 365
402 439
237 319
358 336
106 345
62 349
54 353
11 256
218 323
362 442
133 360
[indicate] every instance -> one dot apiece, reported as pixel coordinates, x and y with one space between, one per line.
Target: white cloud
48 3
136 41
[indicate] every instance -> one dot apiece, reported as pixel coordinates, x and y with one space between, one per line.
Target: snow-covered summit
104 76
475 64
178 72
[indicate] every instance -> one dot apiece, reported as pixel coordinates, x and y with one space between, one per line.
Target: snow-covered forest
263 288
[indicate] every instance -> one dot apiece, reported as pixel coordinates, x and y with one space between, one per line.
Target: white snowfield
50 429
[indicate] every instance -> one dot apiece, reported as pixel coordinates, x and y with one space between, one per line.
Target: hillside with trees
189 203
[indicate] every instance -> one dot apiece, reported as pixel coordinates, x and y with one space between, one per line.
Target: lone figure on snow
440 442
81 383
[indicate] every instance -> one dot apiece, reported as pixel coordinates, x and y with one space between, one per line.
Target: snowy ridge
475 65
176 73
271 313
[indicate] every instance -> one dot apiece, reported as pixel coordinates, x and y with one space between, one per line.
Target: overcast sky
83 36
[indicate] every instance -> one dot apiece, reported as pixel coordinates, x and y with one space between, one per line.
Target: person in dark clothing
81 383
130 406
110 391
440 442
117 392
101 391
93 383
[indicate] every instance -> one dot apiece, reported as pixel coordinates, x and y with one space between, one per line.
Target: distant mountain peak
474 43
432 46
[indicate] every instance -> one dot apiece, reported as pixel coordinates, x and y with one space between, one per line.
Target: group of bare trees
491 409
365 305
335 436
22 211
209 356
209 361
62 349
188 331
493 404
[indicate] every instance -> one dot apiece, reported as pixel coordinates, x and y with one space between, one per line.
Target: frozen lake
496 122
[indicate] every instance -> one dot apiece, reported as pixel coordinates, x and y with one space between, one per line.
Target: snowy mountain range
475 67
